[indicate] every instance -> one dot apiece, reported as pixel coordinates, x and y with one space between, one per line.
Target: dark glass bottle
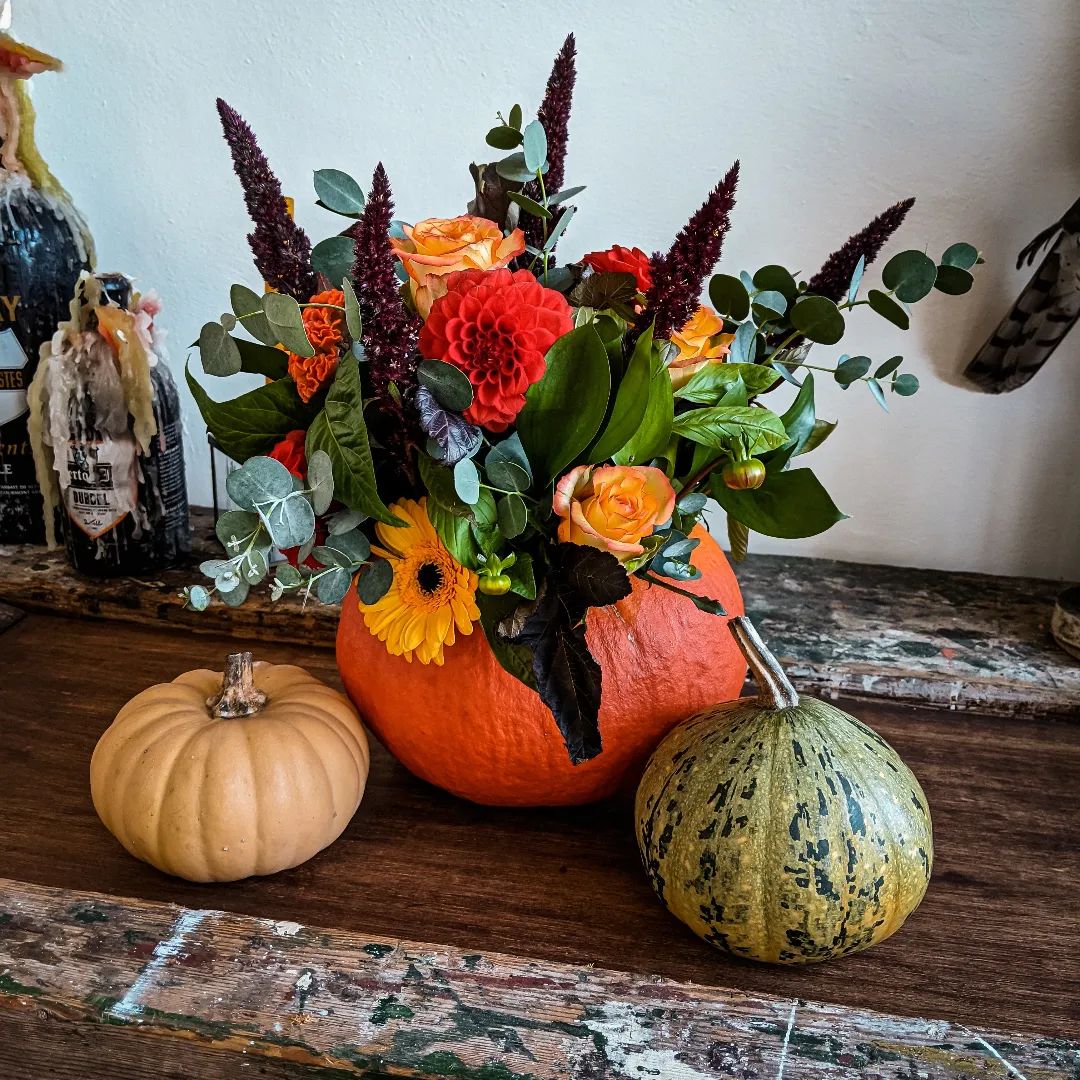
44 245
122 512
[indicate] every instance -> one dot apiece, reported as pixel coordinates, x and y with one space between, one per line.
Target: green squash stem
239 696
774 688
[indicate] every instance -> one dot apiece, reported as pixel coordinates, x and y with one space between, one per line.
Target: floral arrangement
488 438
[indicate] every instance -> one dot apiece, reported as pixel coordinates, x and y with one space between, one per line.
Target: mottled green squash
781 829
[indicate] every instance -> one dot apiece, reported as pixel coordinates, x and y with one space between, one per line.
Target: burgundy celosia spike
554 116
281 248
679 275
390 329
833 279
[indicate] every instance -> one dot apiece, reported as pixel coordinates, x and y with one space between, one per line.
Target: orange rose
700 342
440 246
612 507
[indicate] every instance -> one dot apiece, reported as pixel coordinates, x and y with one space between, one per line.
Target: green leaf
341 431
503 137
218 351
333 585
262 360
775 278
450 385
799 419
320 478
817 318
856 279
507 465
631 401
888 308
334 257
822 430
283 314
448 515
247 306
888 367
198 597
535 146
706 386
738 539
560 228
374 581
743 347
513 516
522 578
467 481
654 432
564 410
530 206
910 275
236 525
350 548
769 306
729 296
291 520
339 192
878 393
790 505
854 367
253 422
953 280
905 385
353 322
515 659
344 521
962 256
513 168
484 522
562 196
726 426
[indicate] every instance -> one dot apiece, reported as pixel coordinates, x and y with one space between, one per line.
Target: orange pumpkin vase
473 729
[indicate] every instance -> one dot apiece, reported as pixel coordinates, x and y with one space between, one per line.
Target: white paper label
102 484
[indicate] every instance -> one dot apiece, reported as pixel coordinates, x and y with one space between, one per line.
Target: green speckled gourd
782 829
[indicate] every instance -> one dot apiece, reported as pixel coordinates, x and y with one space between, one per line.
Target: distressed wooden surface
9 616
958 641
996 942
211 992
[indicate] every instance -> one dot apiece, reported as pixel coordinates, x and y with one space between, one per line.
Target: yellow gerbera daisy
433 596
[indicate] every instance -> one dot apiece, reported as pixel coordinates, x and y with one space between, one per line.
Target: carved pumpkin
217 778
782 829
473 729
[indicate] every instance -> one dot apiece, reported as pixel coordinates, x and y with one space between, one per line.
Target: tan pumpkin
217 778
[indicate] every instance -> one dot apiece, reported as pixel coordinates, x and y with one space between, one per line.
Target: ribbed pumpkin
473 729
781 829
217 778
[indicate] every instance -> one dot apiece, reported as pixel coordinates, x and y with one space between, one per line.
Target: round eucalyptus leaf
259 480
339 192
333 257
467 481
449 385
236 525
729 296
333 585
213 568
774 278
291 522
910 275
227 580
769 305
878 393
692 504
953 280
513 516
198 597
530 206
513 168
503 137
535 146
963 256
905 385
288 575
219 353
283 314
254 566
888 308
374 581
817 318
344 521
247 306
320 478
514 119
854 367
353 322
888 367
228 321
352 547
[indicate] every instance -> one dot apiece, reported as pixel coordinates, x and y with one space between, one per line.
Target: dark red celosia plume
833 279
390 330
554 116
678 276
281 248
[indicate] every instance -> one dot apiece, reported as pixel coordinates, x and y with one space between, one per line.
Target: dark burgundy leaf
455 437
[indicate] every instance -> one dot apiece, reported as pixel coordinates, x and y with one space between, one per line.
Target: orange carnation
612 507
324 327
434 248
700 342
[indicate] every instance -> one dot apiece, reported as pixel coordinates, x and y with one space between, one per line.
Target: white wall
836 108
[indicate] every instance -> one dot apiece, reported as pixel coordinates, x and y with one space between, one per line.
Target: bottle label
14 377
102 484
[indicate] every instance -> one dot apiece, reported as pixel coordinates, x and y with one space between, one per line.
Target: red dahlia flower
496 327
620 260
290 452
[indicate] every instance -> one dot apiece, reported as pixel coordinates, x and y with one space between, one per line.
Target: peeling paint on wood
921 637
217 988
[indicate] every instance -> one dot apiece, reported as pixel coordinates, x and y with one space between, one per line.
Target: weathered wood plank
214 991
916 637
9 616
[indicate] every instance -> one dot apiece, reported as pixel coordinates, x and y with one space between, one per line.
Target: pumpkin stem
774 688
239 695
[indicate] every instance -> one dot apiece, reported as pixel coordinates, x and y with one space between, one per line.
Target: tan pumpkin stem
239 695
774 688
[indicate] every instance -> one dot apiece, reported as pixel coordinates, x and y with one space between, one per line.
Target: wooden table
311 972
